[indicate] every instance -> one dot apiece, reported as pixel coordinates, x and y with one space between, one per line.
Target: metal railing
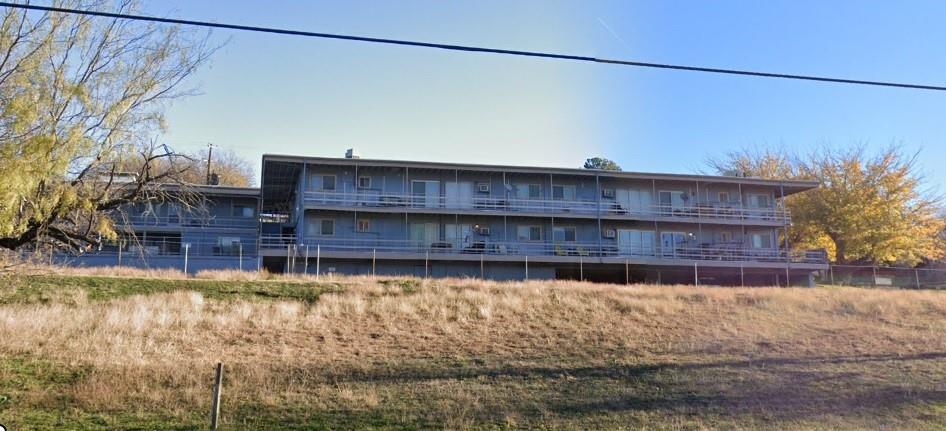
175 247
188 221
884 277
608 208
542 248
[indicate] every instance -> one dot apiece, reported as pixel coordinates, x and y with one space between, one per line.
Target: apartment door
633 242
459 195
459 236
424 234
626 201
671 199
425 193
634 201
672 243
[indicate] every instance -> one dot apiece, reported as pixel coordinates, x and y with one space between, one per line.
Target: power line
471 48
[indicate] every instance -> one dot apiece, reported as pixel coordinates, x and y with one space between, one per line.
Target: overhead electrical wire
468 48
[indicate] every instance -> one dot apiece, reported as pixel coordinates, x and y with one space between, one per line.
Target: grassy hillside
105 353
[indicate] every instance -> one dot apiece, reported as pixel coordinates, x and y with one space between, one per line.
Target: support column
655 202
788 255
699 218
598 213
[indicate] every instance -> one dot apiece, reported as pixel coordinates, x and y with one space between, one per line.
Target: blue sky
280 94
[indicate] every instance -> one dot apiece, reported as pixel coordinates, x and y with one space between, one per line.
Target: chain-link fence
881 276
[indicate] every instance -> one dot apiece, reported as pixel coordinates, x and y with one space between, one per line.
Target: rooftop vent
351 154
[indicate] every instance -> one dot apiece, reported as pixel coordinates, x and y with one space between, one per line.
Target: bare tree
230 169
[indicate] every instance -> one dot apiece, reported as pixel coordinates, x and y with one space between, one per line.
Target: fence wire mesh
883 276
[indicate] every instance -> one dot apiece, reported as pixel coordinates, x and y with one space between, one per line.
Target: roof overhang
788 186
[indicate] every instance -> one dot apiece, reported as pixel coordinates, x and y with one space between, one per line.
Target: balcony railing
190 221
543 206
727 253
176 247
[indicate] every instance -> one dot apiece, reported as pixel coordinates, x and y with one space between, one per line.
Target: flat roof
791 186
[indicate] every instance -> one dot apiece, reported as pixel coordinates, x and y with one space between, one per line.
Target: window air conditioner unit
482 187
610 233
483 231
608 193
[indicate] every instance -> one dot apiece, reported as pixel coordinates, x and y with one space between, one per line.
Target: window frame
531 228
769 201
242 212
321 227
538 187
334 183
363 186
763 238
680 195
564 188
565 230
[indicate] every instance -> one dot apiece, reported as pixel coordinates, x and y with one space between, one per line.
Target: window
563 234
725 237
723 197
759 201
243 211
529 233
228 245
322 227
535 191
364 182
761 240
328 227
326 182
363 226
563 192
672 198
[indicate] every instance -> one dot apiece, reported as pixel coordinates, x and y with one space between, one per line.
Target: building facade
219 230
360 216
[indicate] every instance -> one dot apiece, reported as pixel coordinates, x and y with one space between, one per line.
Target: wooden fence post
218 386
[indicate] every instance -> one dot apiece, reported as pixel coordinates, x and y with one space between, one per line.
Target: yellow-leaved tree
869 208
81 100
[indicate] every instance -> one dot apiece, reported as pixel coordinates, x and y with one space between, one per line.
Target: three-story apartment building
361 216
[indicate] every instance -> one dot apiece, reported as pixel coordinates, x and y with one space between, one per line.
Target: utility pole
210 153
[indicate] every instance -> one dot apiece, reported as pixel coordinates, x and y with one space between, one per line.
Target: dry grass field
84 351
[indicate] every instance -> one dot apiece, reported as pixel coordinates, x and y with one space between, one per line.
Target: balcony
517 206
228 246
720 253
189 221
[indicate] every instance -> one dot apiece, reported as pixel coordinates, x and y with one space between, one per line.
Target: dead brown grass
467 353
